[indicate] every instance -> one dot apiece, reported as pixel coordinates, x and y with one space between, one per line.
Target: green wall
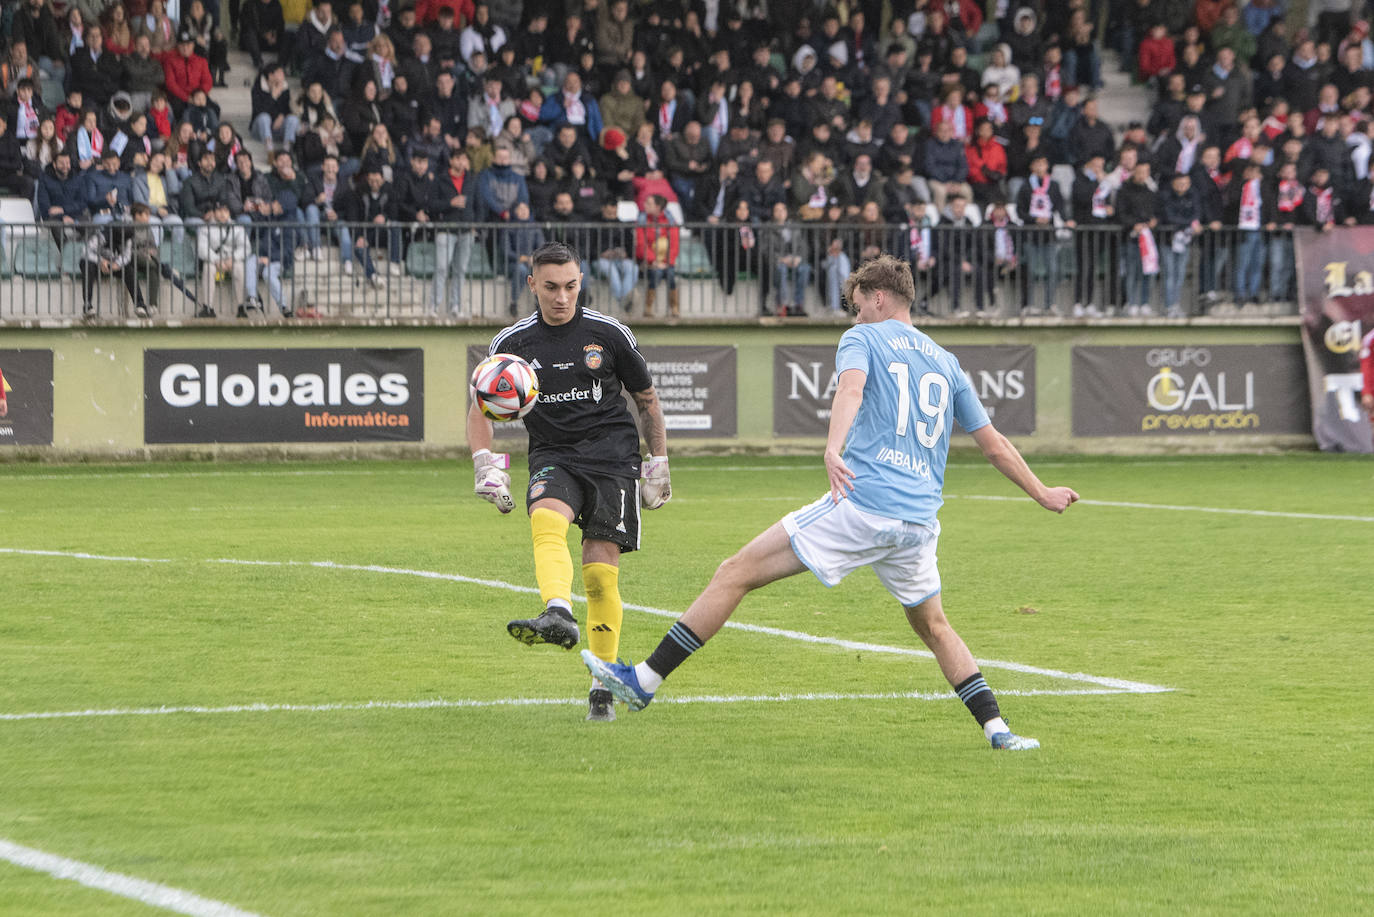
98 397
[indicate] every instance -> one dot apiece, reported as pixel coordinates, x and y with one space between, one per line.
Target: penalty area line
1135 687
440 703
150 893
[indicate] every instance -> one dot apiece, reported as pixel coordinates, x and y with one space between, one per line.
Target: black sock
673 649
978 697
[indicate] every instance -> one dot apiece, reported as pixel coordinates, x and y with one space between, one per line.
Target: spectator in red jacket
1156 55
185 70
987 163
656 248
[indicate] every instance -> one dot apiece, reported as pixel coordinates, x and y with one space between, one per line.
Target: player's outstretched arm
844 407
1007 459
657 487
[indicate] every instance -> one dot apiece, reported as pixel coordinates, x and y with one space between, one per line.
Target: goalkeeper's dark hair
892 275
554 253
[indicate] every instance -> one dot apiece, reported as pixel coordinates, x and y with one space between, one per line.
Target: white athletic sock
649 680
994 726
597 685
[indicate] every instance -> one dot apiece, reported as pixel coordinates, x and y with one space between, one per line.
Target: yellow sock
604 611
553 569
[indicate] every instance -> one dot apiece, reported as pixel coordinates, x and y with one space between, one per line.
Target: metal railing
473 272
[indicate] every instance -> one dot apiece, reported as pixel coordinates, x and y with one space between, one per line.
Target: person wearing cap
185 71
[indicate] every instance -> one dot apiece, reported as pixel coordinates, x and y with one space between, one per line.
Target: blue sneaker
1010 741
619 679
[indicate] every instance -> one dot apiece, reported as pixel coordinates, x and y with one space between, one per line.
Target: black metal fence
170 270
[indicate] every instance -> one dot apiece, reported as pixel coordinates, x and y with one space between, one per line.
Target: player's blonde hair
886 273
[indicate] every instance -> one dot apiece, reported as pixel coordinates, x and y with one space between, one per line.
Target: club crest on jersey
591 355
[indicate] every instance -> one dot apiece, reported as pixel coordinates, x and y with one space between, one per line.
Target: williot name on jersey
914 464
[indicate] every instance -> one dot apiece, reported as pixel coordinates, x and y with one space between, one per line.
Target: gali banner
1336 289
804 383
1171 391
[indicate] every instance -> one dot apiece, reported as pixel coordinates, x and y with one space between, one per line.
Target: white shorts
835 539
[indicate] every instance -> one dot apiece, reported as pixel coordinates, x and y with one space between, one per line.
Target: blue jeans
347 252
1175 267
271 273
1249 265
1137 281
452 252
1280 266
621 273
792 283
311 217
519 272
261 128
666 275
837 268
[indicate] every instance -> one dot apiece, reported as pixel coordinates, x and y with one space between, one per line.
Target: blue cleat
619 679
1010 741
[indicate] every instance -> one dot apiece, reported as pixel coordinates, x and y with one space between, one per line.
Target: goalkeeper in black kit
585 465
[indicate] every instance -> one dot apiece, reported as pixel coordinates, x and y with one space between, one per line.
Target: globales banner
25 397
1336 287
283 396
804 383
695 385
1179 391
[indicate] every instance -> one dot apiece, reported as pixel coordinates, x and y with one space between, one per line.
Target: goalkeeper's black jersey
581 420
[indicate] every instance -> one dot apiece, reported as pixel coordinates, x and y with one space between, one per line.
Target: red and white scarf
1290 196
1187 153
1054 83
997 112
1250 205
919 241
1041 207
575 111
1004 250
665 117
1101 193
1273 126
1325 206
1241 149
1149 252
957 119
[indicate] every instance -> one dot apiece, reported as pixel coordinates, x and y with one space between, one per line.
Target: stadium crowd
809 136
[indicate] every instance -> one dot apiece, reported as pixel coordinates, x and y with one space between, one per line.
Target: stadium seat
38 256
479 267
420 260
16 213
73 253
692 260
627 211
6 268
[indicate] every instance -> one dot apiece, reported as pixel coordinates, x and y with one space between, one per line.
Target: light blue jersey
899 442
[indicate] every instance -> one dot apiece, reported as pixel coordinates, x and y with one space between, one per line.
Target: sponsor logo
912 463
562 366
184 385
534 364
537 489
577 394
592 356
1339 283
1228 403
1343 337
596 391
602 629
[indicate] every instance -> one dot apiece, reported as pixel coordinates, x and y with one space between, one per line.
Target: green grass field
1244 789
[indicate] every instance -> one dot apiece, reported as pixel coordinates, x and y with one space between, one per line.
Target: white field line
446 704
1080 677
1227 511
440 470
141 890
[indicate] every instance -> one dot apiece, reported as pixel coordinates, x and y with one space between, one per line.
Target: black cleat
554 626
600 706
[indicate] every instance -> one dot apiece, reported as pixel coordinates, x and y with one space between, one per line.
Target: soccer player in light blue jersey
898 397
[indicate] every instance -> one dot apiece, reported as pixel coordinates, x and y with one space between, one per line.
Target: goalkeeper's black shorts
605 507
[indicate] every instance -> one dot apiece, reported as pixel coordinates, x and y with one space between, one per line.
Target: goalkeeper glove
490 481
656 488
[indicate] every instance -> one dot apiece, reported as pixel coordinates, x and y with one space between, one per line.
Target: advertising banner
1174 391
1336 292
25 397
804 384
283 396
696 387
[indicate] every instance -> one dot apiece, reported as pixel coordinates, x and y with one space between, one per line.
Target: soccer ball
504 387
